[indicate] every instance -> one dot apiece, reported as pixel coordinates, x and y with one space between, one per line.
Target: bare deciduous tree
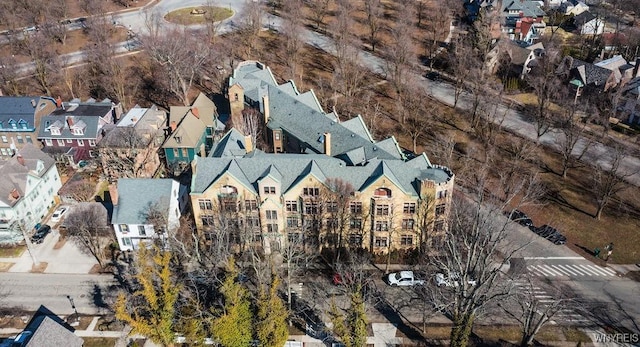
181 54
374 11
292 29
401 51
87 227
319 10
573 145
80 190
437 21
128 152
473 249
45 60
546 87
348 75
608 179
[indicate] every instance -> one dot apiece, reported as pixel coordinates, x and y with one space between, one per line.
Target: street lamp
73 306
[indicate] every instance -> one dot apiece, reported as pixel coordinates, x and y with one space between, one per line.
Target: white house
29 183
589 24
574 7
142 205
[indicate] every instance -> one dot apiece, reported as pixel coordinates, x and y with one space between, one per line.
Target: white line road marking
574 258
559 269
588 269
568 269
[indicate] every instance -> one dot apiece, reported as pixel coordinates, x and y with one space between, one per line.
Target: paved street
29 291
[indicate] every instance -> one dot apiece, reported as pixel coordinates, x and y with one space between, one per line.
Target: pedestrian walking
609 249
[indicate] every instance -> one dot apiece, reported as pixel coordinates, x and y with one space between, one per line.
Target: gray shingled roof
15 175
583 18
527 7
295 167
85 114
230 145
135 195
45 329
301 116
17 108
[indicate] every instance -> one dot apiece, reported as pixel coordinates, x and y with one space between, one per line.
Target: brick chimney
265 105
327 143
195 112
59 102
173 126
248 143
113 193
70 121
20 159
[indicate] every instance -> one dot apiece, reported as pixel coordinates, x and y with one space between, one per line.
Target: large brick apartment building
325 182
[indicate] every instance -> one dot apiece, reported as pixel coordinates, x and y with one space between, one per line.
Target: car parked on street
550 233
520 218
404 279
57 215
452 281
42 232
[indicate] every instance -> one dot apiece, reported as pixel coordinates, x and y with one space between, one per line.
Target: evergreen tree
233 327
271 328
352 330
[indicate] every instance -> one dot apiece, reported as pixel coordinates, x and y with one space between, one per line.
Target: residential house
232 144
588 24
27 191
574 7
72 131
131 148
47 329
19 119
522 19
274 198
613 43
146 209
192 129
295 122
514 58
587 77
622 70
630 102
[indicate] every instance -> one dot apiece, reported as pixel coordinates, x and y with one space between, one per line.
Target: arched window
383 193
228 190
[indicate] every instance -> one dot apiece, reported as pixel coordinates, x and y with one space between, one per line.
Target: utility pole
27 241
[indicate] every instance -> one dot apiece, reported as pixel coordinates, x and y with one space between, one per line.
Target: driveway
66 260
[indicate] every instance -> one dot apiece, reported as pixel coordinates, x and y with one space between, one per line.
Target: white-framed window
406 240
380 241
48 142
3 151
80 142
29 140
60 142
141 230
126 241
69 140
409 207
205 204
19 139
92 143
55 131
124 228
77 131
4 139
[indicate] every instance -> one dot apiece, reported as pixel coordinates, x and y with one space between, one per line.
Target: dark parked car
521 218
42 232
550 233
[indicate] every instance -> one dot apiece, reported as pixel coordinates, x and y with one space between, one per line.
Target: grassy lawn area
99 342
184 16
547 333
12 252
530 99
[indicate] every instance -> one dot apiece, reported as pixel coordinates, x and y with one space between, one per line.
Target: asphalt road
90 293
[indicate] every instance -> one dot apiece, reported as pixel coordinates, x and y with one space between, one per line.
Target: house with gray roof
72 132
521 19
47 329
146 210
27 191
586 77
19 120
295 122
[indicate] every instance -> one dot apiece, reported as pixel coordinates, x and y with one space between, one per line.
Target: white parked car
452 281
57 215
403 278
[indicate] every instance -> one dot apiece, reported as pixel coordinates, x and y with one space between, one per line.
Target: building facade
320 200
27 191
19 120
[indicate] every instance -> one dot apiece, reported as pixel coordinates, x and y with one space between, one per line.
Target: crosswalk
571 270
563 316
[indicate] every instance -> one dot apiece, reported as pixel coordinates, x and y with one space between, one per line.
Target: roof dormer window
77 131
55 131
13 124
177 138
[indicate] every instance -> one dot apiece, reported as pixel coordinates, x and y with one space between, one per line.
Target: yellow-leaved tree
233 327
151 309
271 325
